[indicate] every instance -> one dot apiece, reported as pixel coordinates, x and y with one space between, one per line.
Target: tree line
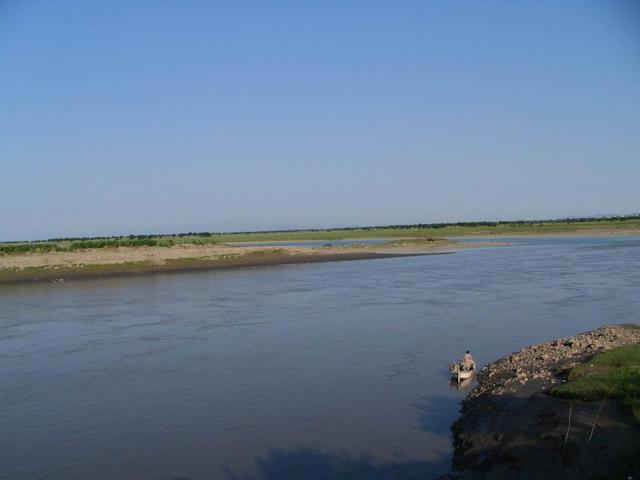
152 240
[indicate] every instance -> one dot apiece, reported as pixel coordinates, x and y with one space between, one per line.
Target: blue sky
138 117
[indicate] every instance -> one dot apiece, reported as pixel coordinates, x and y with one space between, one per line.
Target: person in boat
467 361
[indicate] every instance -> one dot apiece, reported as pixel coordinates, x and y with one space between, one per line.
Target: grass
408 242
613 374
419 231
53 272
70 246
22 248
435 231
115 243
60 271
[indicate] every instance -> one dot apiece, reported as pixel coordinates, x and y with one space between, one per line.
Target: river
315 371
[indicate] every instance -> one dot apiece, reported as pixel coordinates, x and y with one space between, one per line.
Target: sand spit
512 428
144 260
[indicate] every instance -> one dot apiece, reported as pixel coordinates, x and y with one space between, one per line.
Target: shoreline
145 260
512 427
189 264
184 257
578 233
591 232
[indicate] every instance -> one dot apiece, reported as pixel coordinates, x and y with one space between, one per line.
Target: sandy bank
145 260
594 232
512 428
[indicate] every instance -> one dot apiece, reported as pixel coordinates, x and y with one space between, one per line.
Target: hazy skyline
143 117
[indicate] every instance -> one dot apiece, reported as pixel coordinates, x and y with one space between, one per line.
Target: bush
112 243
18 248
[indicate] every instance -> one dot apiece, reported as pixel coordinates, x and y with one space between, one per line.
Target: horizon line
361 227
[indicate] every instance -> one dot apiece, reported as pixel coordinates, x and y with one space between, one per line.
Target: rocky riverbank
511 427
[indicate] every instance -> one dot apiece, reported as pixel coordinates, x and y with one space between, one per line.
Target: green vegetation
421 241
114 243
20 248
54 272
66 271
435 230
416 231
70 246
614 374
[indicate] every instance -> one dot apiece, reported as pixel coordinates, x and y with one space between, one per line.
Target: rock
541 363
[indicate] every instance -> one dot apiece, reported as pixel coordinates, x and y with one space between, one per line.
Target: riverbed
329 370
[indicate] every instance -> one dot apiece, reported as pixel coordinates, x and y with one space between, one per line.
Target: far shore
122 261
480 234
578 233
179 257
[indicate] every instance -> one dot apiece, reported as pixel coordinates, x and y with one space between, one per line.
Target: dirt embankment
512 428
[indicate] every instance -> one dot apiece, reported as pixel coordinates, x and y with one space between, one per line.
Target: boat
460 385
459 373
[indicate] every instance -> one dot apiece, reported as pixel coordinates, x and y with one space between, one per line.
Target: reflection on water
333 370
